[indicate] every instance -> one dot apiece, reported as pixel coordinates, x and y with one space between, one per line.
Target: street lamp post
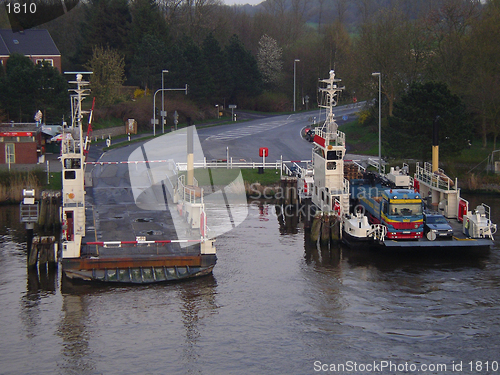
185 89
379 119
294 80
162 102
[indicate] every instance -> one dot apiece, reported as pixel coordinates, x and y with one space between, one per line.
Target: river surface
274 305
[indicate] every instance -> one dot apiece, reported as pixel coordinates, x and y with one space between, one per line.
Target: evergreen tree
218 66
150 59
409 131
18 87
52 96
148 26
245 77
196 72
26 88
146 20
108 25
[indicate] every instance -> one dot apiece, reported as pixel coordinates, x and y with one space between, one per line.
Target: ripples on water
275 304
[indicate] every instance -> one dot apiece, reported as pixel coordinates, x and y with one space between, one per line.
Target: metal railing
188 193
374 163
436 179
230 164
338 138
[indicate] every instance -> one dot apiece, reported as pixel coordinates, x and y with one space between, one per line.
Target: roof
28 42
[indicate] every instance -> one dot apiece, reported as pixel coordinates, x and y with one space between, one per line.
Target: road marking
248 130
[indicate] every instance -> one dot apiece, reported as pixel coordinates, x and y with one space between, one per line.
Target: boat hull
143 270
355 241
421 244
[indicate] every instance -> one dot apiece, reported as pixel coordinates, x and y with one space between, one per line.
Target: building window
40 61
10 153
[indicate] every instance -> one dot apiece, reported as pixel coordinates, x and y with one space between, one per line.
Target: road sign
232 106
345 117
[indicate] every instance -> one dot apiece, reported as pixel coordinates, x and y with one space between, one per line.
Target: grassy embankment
254 184
12 183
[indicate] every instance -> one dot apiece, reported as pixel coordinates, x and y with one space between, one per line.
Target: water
274 305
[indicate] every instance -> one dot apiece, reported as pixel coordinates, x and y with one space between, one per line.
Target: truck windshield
405 209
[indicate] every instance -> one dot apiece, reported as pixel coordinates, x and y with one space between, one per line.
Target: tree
51 95
270 63
18 87
449 26
246 80
217 66
194 18
481 57
386 45
149 60
108 67
108 25
195 72
26 88
146 20
409 131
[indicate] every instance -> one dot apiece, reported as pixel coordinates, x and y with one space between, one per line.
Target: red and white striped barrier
125 162
120 243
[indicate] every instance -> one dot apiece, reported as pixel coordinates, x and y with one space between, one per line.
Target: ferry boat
386 210
108 237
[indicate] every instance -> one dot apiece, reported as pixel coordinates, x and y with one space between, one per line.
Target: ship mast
72 159
331 190
328 98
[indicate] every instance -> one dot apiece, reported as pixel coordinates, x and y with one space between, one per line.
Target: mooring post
325 229
334 228
316 227
33 254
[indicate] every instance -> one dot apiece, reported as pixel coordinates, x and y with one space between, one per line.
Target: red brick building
38 45
19 145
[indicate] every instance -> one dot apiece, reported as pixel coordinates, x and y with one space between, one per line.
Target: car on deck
436 226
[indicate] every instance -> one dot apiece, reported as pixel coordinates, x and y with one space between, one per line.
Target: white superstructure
331 189
72 159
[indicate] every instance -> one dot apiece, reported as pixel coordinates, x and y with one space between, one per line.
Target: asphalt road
280 134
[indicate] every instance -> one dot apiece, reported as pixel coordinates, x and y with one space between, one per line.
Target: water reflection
276 303
149 312
74 331
198 301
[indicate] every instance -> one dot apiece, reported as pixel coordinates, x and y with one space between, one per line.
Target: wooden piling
288 186
33 254
325 229
316 227
334 228
42 255
42 252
